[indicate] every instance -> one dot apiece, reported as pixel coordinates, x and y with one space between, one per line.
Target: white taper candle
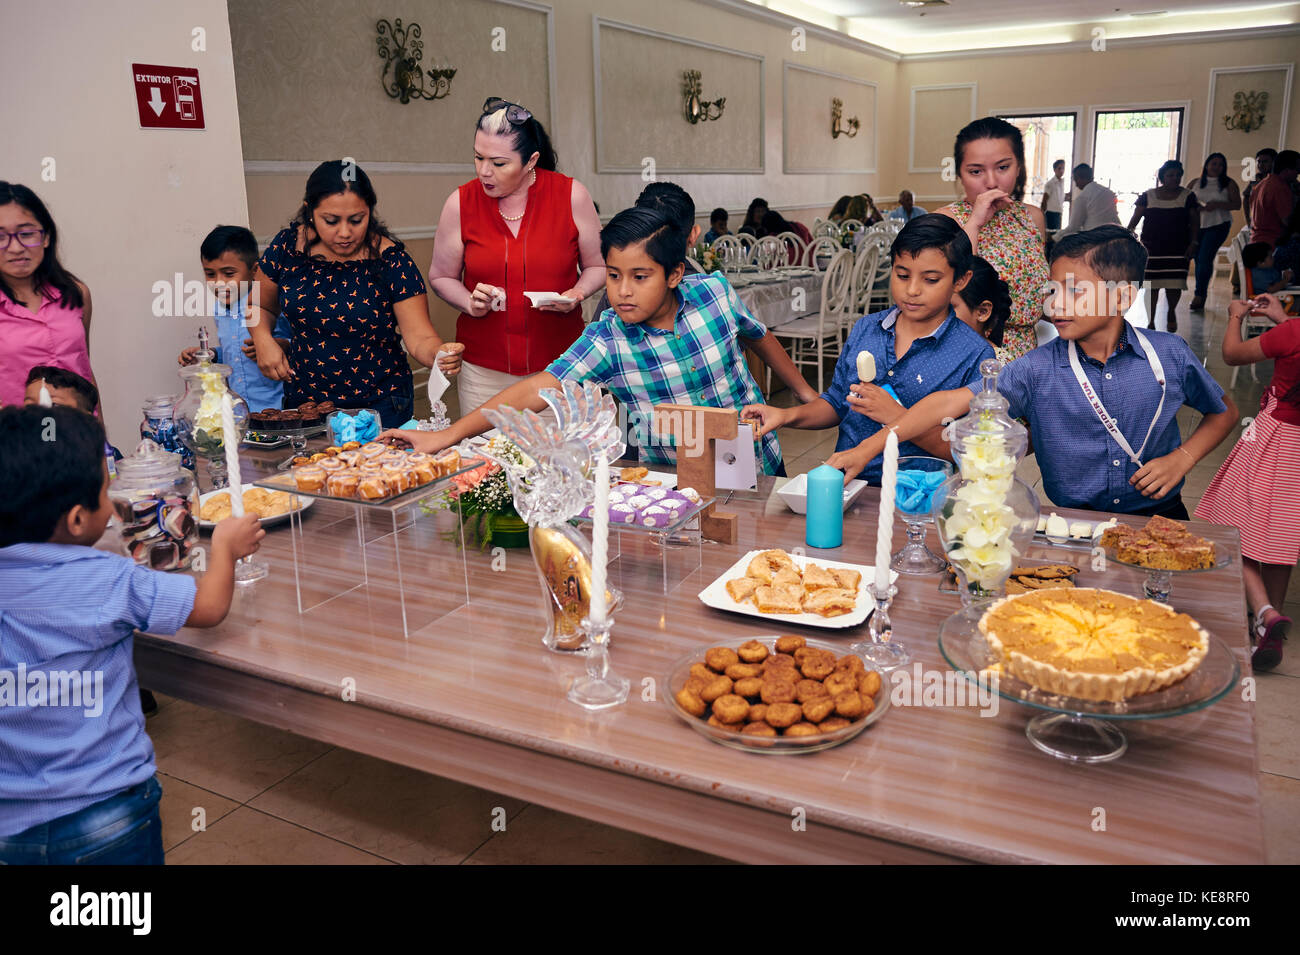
230 438
885 529
599 541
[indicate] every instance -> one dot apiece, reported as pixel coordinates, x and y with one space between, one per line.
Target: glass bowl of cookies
780 695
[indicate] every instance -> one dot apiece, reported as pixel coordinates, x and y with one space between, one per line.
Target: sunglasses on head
515 113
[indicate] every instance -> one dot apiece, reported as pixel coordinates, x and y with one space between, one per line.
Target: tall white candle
230 438
599 541
885 529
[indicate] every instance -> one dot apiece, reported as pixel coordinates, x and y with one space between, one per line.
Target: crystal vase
984 529
198 417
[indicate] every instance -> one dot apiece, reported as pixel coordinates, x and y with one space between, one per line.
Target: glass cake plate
1160 581
1072 728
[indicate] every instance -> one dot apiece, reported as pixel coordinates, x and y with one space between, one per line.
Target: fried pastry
742 589
818 709
691 702
789 644
740 671
829 602
751 651
802 729
718 686
758 729
776 691
847 579
816 577
773 600
748 686
719 658
782 715
731 708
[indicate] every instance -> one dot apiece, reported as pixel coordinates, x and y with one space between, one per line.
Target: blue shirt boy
246 378
1082 464
949 357
71 730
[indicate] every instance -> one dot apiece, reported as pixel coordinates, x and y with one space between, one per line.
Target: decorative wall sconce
1247 111
699 110
848 127
403 77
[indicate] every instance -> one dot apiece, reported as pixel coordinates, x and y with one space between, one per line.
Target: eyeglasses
28 238
514 112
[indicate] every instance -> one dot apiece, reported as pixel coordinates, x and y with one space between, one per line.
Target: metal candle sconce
848 127
1247 111
699 110
401 49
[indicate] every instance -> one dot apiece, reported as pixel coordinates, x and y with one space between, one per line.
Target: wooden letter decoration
693 430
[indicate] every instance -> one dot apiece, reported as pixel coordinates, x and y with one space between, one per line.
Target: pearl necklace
521 215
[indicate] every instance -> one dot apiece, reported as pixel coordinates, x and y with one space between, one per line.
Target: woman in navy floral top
350 292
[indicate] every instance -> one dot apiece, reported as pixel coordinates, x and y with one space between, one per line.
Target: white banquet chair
826 227
747 243
816 337
880 295
769 253
795 247
729 251
823 246
864 281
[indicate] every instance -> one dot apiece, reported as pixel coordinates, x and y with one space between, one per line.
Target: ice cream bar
866 366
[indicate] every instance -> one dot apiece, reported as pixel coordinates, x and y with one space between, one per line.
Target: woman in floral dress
1004 230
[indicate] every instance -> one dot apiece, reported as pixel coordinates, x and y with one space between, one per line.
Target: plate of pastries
794 589
371 472
271 507
776 694
1162 544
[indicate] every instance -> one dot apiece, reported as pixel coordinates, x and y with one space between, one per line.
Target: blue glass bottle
159 427
825 520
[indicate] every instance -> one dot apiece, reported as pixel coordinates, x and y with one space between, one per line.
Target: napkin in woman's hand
438 382
916 488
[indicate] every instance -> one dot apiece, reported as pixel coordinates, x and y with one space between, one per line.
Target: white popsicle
866 367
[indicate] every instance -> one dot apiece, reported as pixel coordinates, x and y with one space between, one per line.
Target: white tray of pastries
271 507
775 585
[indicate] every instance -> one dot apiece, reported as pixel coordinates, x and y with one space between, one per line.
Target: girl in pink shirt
44 309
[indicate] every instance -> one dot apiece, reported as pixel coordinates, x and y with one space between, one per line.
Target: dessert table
475 697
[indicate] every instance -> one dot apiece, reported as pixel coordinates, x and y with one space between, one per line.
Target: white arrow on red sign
156 101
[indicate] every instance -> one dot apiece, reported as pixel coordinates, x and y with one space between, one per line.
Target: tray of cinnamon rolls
371 473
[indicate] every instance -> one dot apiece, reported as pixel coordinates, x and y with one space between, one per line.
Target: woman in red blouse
518 227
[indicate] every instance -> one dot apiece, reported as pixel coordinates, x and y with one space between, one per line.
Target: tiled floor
240 792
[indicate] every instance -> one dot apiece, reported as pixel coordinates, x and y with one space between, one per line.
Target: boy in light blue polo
229 256
77 781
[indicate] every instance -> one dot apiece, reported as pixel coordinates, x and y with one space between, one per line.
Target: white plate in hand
715 595
549 298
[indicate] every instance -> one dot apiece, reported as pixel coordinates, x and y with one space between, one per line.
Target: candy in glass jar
153 498
159 426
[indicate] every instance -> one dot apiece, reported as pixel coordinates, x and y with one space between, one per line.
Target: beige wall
132 205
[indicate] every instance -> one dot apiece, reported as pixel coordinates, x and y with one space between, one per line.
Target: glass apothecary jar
198 416
154 500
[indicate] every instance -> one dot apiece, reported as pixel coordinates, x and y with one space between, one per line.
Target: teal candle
825 520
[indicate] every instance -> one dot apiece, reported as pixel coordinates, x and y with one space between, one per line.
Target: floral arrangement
981 521
708 259
487 504
208 437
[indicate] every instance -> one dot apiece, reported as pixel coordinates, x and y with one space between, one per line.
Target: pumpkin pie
1093 644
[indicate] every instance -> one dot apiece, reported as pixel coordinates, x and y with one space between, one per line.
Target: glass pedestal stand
407 561
1082 731
598 688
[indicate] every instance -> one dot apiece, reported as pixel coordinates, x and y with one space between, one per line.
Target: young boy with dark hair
77 781
70 390
1265 276
1102 399
717 225
229 257
669 338
917 346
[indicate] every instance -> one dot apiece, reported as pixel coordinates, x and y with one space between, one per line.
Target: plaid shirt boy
699 362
